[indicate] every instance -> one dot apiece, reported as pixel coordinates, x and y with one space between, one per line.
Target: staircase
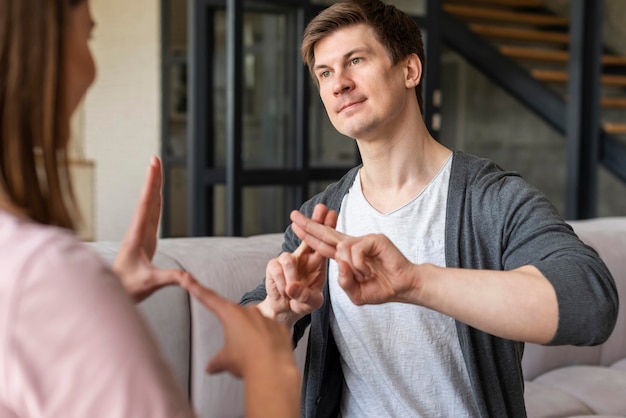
527 32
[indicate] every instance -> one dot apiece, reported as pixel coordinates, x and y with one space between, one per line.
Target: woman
71 342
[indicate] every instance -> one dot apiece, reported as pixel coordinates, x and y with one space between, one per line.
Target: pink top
72 343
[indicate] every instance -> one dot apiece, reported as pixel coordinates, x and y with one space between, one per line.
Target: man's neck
394 173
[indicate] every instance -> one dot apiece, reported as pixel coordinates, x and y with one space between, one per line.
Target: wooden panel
553 55
614 80
613 102
508 3
535 54
615 128
538 19
613 60
552 76
500 32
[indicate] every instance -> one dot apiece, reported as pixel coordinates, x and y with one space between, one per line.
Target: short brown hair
394 29
34 121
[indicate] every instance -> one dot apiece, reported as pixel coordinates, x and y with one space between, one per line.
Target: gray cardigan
496 221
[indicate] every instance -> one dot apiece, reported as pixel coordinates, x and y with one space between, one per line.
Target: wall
122 109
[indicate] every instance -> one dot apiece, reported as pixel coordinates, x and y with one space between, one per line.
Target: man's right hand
294 281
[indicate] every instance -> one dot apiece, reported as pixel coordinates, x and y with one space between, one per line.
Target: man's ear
413 71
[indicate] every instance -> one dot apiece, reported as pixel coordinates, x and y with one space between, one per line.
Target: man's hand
371 269
517 304
294 281
133 263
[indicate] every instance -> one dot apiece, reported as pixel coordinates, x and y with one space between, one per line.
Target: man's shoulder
333 194
475 170
473 163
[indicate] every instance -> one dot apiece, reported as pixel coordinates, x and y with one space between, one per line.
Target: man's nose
342 83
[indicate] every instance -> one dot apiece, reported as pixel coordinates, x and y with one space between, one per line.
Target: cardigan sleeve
529 231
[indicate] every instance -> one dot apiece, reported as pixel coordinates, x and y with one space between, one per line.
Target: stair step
615 128
505 16
535 54
552 76
613 60
506 33
551 55
613 102
509 3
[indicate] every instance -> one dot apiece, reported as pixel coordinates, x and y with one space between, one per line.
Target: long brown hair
34 121
394 29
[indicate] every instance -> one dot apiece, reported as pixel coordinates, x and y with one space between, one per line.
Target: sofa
562 381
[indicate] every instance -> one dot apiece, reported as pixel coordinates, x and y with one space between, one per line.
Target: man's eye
355 61
325 74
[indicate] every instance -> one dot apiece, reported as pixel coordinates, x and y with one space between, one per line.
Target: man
440 264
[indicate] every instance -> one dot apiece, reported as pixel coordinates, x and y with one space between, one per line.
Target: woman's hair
34 119
395 30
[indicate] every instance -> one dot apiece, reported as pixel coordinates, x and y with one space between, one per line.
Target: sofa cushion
602 389
548 402
607 236
620 365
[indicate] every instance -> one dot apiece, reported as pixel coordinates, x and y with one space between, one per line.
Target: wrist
417 276
276 386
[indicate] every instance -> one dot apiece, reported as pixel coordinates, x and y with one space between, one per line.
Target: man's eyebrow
345 57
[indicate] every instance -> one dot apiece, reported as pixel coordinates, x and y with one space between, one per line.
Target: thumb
167 277
220 363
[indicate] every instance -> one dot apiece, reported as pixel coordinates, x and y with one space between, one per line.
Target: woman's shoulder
67 315
48 267
25 244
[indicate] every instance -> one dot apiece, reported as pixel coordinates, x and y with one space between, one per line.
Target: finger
322 215
345 276
274 272
304 300
149 203
352 253
301 249
331 218
348 282
319 231
321 247
289 266
219 363
155 197
319 213
208 298
167 277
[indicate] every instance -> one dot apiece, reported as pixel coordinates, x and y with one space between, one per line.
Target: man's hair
34 119
394 29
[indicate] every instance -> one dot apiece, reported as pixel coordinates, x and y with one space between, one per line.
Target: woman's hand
256 349
133 263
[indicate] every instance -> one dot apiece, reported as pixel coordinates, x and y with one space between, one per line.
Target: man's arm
519 304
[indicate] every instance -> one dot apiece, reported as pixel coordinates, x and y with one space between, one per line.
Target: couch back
608 237
190 335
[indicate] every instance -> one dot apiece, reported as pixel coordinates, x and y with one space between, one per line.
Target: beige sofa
561 381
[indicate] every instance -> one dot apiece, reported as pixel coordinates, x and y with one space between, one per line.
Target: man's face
364 94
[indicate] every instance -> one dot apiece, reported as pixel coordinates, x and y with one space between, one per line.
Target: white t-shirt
400 360
72 343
